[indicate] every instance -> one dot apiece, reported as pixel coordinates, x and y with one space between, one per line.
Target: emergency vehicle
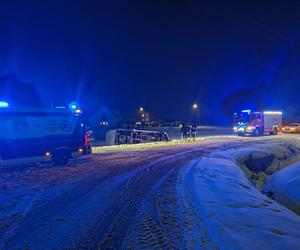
42 134
257 123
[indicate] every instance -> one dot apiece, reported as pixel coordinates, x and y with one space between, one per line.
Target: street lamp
141 109
195 113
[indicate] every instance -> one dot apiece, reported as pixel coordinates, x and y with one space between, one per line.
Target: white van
42 134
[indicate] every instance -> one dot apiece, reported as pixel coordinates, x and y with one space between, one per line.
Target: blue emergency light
4 104
246 111
73 105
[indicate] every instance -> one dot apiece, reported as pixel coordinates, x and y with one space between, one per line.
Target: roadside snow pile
261 160
155 145
236 215
284 187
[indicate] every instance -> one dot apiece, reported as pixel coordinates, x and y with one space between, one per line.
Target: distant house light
103 123
47 154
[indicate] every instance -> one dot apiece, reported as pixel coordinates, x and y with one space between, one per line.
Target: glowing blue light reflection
73 105
246 111
4 104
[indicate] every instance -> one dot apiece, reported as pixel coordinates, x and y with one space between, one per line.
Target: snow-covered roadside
259 161
235 213
284 187
273 167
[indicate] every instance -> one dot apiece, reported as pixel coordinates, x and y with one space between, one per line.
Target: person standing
193 131
184 131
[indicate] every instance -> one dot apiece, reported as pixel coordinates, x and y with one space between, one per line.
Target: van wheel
61 157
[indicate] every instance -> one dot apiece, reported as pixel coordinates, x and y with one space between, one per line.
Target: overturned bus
42 134
134 136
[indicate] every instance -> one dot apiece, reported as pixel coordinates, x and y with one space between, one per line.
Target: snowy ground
284 187
193 195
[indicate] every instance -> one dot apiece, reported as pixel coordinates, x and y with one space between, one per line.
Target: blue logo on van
22 127
66 126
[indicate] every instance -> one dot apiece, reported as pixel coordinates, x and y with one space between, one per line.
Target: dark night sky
163 55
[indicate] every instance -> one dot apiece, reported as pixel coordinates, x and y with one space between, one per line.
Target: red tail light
86 140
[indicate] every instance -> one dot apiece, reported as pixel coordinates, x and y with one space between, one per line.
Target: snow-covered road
164 196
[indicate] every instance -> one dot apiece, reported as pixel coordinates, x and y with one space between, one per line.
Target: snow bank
260 160
284 187
266 166
155 145
236 214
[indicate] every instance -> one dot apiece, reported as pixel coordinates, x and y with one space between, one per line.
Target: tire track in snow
40 215
168 218
110 233
37 219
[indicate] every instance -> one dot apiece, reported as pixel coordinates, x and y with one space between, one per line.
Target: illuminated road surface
121 197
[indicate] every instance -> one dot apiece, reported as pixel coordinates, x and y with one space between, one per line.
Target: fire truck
248 122
31 135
